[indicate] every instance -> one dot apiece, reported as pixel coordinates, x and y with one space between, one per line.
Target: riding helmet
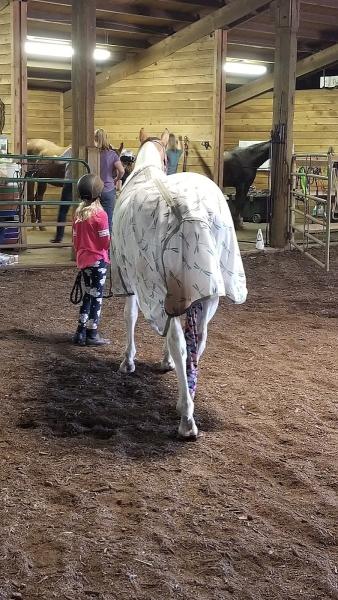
90 186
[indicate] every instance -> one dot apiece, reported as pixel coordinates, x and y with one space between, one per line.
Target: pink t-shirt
91 240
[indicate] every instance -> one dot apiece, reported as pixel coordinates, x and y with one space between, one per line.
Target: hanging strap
76 294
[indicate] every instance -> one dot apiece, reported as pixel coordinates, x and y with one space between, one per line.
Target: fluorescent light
49 49
59 49
101 54
244 68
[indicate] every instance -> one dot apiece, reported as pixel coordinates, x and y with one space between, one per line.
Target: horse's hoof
187 430
166 366
127 367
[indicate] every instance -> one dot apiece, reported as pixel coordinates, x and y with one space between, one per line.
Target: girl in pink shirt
91 241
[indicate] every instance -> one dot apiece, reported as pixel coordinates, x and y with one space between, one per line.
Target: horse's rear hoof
187 430
166 367
127 367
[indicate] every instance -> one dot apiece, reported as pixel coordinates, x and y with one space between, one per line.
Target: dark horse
240 169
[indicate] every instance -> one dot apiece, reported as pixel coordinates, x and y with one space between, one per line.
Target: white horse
174 252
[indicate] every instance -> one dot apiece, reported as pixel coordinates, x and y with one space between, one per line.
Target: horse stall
100 495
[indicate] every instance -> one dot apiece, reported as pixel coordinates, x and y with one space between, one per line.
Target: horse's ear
143 135
165 137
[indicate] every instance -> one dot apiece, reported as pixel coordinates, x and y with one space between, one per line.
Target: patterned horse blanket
174 244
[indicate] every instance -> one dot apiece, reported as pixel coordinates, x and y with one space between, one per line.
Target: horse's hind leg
178 350
196 333
130 316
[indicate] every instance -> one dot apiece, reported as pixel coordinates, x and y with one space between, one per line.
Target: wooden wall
5 65
45 116
45 120
315 127
177 93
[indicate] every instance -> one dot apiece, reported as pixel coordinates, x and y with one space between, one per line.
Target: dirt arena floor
99 500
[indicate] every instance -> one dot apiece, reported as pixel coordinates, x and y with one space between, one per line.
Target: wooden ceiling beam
322 18
224 17
265 84
322 3
207 3
101 38
124 10
39 16
307 32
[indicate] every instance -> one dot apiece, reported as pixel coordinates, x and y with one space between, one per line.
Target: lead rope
110 292
76 294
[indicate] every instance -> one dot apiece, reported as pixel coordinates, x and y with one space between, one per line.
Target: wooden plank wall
45 116
5 65
315 126
45 120
177 93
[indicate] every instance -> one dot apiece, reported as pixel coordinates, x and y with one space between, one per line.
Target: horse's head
150 143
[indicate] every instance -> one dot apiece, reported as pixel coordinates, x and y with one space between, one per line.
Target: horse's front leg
130 317
167 363
178 350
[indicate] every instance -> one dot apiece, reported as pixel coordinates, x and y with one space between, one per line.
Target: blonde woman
91 240
111 171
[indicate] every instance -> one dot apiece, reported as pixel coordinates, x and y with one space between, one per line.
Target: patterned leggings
94 279
191 334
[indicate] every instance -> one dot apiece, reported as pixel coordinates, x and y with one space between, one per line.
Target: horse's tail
205 166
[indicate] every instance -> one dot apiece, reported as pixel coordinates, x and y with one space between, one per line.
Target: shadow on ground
80 392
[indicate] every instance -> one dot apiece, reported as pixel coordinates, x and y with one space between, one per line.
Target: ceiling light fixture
101 54
59 49
50 49
245 68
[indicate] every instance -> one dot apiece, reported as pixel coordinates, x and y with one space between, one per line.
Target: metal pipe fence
311 213
14 202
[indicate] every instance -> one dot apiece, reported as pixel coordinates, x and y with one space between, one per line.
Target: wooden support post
287 22
93 157
83 82
219 104
19 86
83 78
19 76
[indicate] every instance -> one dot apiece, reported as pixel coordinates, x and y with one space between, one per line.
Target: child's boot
80 336
95 339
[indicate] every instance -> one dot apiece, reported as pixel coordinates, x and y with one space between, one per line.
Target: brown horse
43 169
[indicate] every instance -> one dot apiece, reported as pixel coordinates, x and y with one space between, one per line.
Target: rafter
39 16
101 38
141 11
321 3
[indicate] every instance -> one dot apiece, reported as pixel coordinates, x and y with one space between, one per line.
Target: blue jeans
108 204
66 196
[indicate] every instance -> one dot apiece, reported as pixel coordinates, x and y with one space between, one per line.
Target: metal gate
313 205
13 202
